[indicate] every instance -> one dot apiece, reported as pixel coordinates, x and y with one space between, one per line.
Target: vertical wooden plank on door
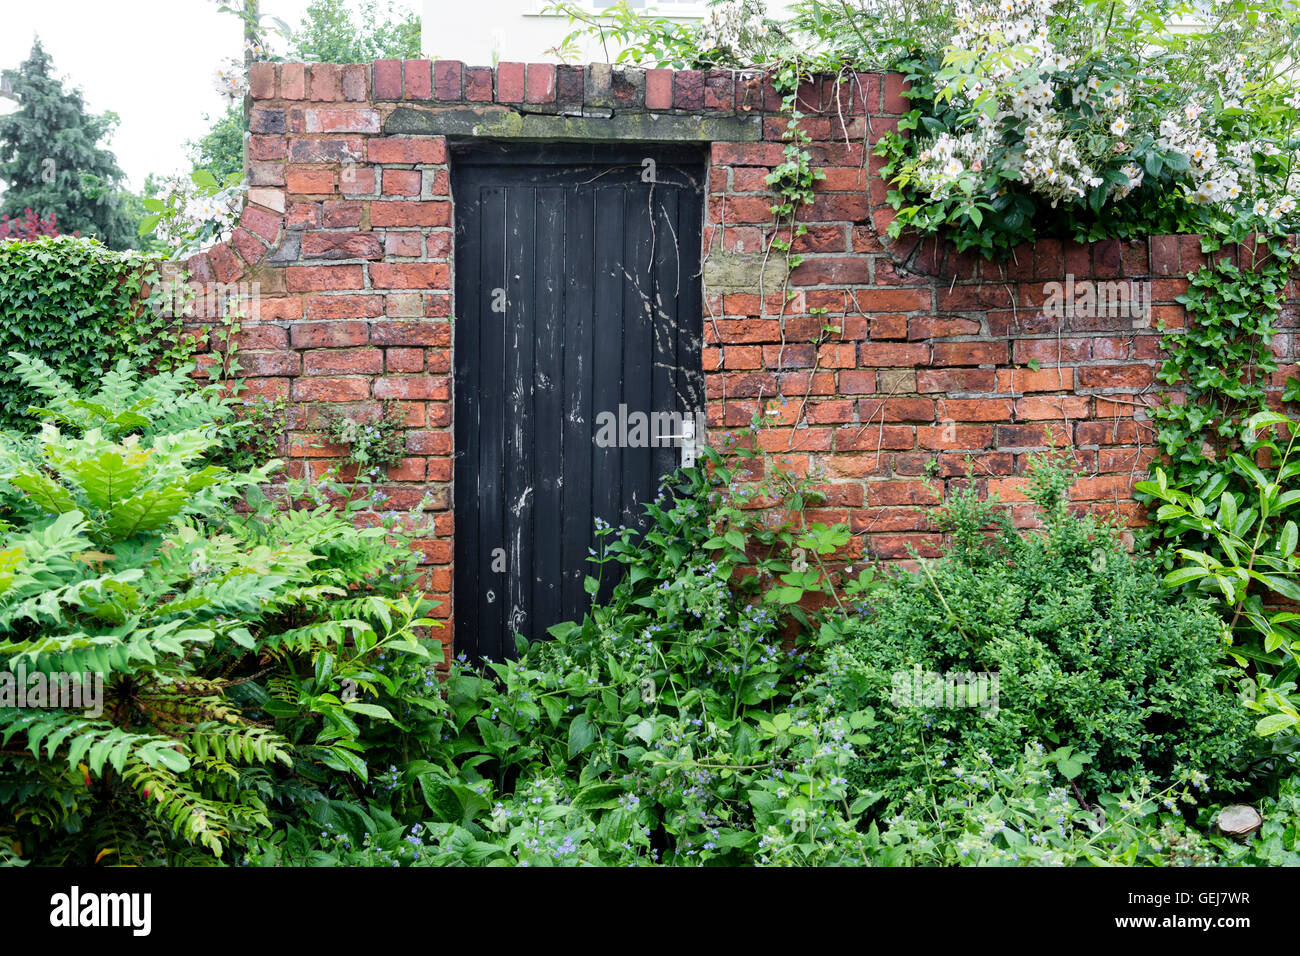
521 217
495 287
610 320
638 345
690 300
548 402
579 417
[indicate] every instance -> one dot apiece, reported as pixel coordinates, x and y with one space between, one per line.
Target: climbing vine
1223 359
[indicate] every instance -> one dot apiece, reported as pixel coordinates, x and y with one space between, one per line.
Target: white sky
149 61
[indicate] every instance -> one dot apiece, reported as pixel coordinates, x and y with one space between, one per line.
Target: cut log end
1239 820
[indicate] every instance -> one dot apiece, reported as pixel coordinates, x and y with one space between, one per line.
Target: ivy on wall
77 305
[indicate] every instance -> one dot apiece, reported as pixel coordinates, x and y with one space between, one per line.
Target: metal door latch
687 441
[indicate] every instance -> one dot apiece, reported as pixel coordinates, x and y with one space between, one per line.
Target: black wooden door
577 292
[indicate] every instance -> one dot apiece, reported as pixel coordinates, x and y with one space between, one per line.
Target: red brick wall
348 234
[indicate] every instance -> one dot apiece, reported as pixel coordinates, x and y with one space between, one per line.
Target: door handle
688 441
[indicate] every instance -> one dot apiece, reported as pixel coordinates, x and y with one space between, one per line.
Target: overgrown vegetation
241 655
270 698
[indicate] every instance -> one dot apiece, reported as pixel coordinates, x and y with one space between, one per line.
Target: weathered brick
409 275
510 82
659 89
411 333
896 409
410 213
417 77
404 360
341 121
447 79
323 278
401 182
478 84
888 354
688 89
343 362
388 79
540 83
344 307
955 380
326 82
968 353
340 245
261 81
401 149
1052 407
308 335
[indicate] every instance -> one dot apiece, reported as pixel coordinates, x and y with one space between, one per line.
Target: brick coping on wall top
600 89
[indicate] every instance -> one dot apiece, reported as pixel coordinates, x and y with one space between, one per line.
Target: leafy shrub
372 445
1092 657
241 654
30 226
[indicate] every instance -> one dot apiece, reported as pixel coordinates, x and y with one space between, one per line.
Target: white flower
1120 126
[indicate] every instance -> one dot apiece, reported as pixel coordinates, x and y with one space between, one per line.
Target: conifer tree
52 160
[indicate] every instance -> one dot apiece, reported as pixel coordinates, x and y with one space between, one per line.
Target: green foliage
1091 657
51 160
241 655
372 446
1023 813
670 726
872 34
1225 519
267 697
1238 528
79 307
190 213
329 34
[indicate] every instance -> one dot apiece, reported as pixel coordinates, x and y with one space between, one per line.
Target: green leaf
1275 723
1180 576
370 710
1286 543
582 734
